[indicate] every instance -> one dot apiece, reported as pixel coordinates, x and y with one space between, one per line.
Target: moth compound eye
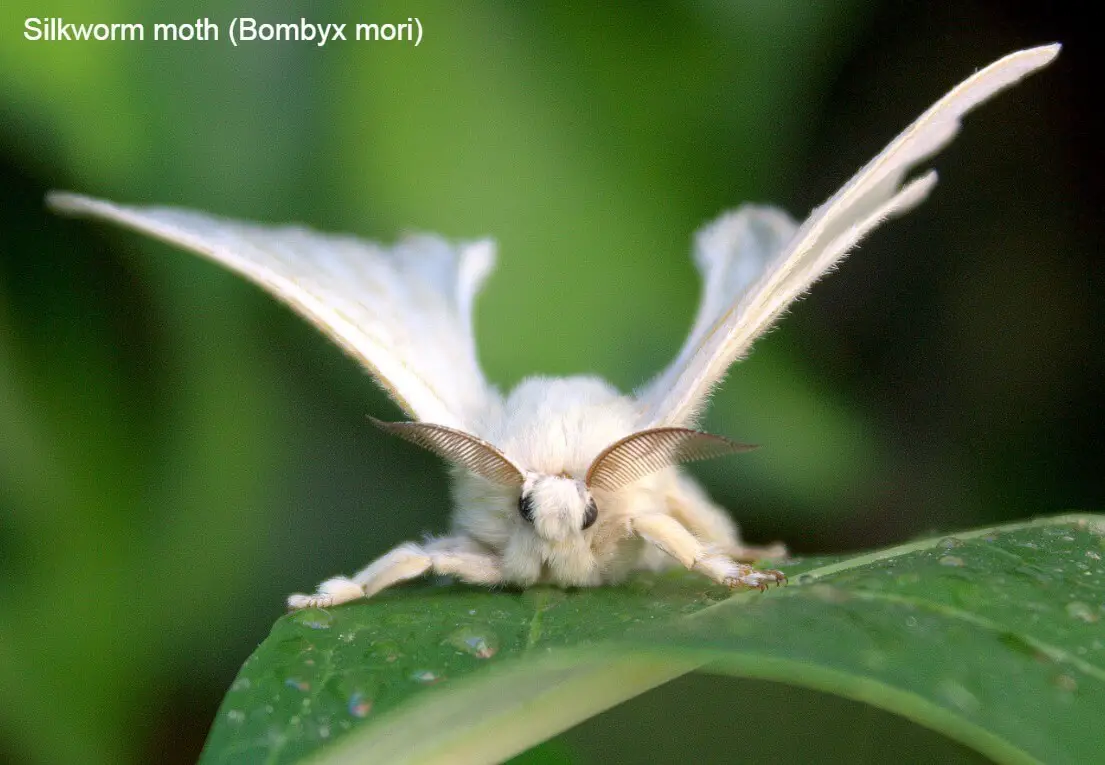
525 507
590 515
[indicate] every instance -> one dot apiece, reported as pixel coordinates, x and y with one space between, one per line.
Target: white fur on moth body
564 481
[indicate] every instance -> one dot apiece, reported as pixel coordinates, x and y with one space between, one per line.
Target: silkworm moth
564 481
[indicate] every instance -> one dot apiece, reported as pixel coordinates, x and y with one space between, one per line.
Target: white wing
404 312
752 269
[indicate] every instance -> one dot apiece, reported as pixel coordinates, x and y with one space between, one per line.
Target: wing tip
1034 58
67 202
80 205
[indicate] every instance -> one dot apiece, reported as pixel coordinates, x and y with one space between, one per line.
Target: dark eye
525 507
590 515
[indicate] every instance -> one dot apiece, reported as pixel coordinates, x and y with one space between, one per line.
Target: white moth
564 481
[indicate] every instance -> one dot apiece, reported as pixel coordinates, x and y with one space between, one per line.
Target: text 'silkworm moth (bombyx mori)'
564 481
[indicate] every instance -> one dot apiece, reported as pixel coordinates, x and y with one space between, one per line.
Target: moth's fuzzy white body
554 428
566 481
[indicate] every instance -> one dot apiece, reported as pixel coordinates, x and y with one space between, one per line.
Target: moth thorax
560 506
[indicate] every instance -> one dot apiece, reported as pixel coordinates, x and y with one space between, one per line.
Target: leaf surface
993 637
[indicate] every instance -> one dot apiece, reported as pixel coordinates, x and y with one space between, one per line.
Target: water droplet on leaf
388 650
1066 683
359 705
299 685
235 715
1076 609
426 677
950 543
956 694
315 618
481 643
951 560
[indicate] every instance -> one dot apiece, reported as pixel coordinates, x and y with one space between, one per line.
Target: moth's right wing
756 264
404 312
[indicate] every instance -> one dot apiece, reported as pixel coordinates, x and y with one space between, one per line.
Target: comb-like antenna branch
458 447
648 451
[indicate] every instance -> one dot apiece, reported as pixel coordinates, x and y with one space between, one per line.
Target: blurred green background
178 452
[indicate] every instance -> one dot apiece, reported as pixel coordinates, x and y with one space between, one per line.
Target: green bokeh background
178 452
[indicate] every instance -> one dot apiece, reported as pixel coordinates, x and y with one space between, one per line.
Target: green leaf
992 637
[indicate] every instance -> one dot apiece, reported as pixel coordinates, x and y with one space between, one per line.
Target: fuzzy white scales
565 481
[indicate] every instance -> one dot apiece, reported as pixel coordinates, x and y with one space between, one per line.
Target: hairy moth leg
690 505
668 534
452 556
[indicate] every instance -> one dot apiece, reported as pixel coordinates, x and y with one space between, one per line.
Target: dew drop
483 644
426 677
950 543
315 618
235 715
1066 683
324 731
241 684
1076 609
347 637
951 560
1093 555
959 696
805 579
359 705
388 650
299 685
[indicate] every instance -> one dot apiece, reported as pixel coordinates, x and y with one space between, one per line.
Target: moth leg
454 556
668 534
690 505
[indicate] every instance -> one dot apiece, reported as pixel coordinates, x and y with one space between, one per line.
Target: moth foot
724 570
299 601
332 592
748 578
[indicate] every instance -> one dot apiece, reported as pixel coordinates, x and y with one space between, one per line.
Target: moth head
560 505
557 506
648 451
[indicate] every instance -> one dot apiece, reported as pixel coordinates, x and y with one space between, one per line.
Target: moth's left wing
404 312
780 267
